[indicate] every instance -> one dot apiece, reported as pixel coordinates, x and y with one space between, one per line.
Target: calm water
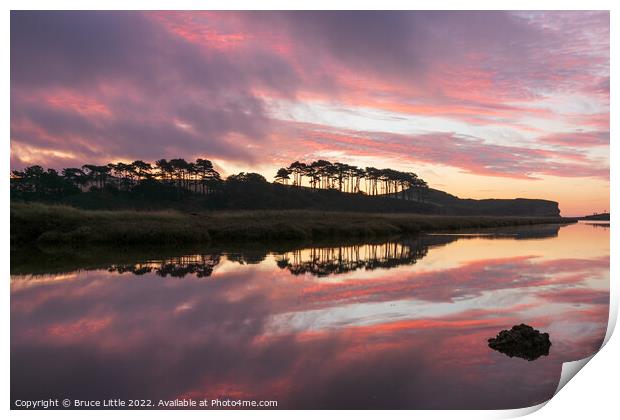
403 324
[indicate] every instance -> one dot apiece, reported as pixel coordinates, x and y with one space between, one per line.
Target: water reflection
199 265
602 225
320 261
400 324
326 261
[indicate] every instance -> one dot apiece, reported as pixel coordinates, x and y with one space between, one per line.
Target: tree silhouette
97 174
207 174
141 169
352 179
75 176
283 176
177 177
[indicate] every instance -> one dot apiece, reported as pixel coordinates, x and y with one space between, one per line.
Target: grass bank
49 224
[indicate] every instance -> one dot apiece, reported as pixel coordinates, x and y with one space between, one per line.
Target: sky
479 104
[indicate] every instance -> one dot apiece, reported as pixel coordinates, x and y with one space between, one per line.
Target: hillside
597 217
260 195
452 205
197 186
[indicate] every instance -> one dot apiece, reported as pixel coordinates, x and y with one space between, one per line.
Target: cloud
66 65
466 281
100 86
581 139
468 153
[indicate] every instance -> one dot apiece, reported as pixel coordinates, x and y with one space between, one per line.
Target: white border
593 394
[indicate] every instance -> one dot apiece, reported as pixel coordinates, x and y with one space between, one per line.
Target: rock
521 341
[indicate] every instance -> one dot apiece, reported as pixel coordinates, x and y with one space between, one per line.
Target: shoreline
35 223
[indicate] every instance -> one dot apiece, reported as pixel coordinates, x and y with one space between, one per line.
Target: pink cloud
471 279
470 154
218 71
582 139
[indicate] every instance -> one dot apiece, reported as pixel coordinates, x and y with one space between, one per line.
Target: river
401 323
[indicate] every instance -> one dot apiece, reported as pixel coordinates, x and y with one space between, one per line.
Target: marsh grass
51 224
63 224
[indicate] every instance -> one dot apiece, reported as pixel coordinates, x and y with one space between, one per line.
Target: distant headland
596 216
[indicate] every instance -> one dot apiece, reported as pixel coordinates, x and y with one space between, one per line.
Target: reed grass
51 224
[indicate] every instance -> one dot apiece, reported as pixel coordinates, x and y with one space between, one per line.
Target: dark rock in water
521 341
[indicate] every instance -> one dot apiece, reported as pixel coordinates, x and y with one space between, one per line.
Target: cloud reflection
422 344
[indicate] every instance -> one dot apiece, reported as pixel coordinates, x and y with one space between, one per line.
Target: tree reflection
319 260
324 261
599 225
198 265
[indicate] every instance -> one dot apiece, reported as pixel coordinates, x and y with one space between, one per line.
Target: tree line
352 179
199 176
202 178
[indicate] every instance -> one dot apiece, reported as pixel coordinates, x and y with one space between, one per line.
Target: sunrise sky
479 104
